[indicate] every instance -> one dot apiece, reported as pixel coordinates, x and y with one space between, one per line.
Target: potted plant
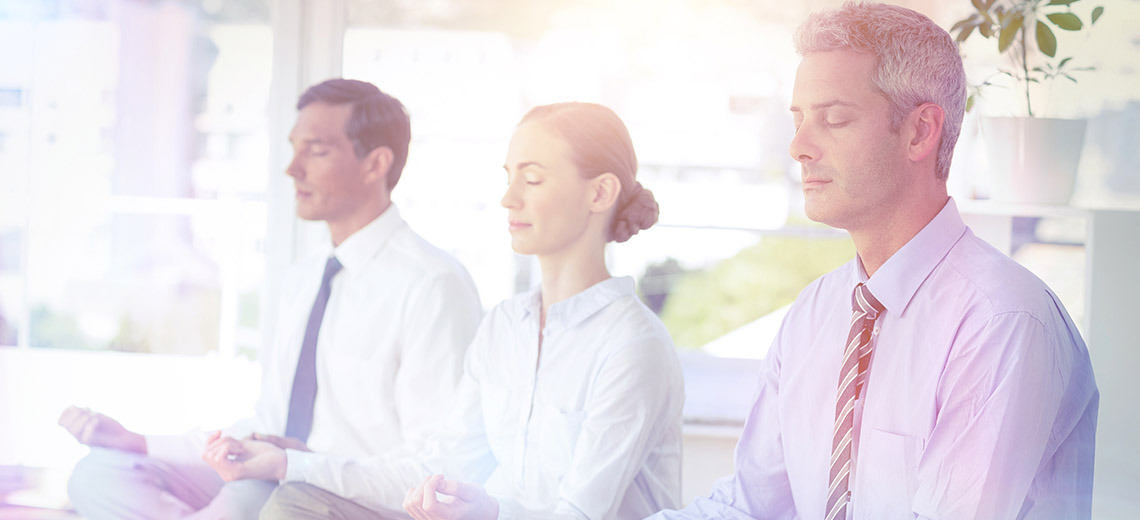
1032 159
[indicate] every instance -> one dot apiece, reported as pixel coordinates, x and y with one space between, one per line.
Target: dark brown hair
377 119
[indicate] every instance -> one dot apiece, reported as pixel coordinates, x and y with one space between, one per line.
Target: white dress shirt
594 433
390 351
979 402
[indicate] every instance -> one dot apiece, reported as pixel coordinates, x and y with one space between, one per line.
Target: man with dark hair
931 376
362 324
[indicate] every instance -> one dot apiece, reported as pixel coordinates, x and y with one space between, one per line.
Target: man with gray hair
931 376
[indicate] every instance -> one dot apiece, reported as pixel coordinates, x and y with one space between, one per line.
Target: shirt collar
895 283
572 311
361 246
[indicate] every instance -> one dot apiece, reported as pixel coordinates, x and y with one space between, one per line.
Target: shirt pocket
558 435
887 469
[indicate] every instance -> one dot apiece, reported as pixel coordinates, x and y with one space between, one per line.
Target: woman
600 382
570 402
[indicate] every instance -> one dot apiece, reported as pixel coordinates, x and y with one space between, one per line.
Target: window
141 208
134 146
133 214
702 87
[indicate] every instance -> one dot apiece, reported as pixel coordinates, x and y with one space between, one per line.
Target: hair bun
639 212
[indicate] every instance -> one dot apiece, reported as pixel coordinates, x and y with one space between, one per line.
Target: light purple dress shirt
980 401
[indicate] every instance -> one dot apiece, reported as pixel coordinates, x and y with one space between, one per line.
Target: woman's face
548 201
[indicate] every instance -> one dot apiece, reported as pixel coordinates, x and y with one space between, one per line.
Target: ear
604 191
377 163
925 125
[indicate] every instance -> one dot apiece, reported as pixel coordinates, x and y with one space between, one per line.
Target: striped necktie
856 360
299 422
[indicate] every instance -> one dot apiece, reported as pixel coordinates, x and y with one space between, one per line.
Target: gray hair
917 61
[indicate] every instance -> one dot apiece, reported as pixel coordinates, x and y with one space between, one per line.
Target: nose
803 148
511 199
293 169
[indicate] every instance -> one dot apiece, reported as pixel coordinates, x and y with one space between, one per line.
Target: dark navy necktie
300 421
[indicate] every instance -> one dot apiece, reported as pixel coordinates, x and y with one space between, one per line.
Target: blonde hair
599 143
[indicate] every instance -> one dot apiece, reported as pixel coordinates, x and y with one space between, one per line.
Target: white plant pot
1033 160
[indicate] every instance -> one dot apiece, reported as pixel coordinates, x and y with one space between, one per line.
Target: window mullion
308 40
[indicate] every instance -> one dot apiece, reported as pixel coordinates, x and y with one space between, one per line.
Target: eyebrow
310 141
524 164
821 106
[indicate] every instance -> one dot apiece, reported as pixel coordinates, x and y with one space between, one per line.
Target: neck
341 229
571 272
877 242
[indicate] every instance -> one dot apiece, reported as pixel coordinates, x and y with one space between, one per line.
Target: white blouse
594 432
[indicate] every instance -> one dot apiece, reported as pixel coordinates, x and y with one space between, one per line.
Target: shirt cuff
298 464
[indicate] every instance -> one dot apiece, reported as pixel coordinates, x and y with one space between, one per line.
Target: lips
516 226
811 175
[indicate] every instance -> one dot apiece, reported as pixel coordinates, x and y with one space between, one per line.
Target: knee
292 500
93 474
242 498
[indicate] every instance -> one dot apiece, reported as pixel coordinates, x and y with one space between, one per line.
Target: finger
430 500
411 505
222 443
221 450
88 427
227 468
67 415
214 436
210 455
212 448
461 490
417 495
73 419
407 499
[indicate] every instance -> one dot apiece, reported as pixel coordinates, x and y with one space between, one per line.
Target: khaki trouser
299 501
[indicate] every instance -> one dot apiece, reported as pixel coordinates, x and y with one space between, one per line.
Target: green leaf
1066 21
969 102
1096 13
1063 62
1046 41
965 33
1074 80
1009 31
1061 2
978 5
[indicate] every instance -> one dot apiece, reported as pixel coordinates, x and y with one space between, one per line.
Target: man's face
853 165
328 176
